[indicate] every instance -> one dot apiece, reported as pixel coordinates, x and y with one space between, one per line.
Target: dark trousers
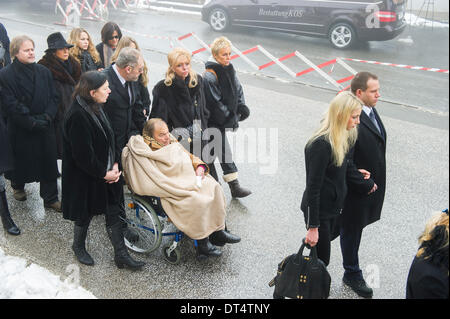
225 157
327 233
47 190
350 241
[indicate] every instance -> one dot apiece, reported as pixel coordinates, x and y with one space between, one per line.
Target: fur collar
59 72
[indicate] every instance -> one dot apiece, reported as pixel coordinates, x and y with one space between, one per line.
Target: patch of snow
414 20
21 281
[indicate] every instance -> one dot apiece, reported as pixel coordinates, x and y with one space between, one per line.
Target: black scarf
25 75
99 117
67 65
226 76
189 95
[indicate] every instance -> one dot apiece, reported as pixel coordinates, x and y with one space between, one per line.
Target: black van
343 22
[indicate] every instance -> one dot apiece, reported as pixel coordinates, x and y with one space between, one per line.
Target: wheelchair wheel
174 257
144 220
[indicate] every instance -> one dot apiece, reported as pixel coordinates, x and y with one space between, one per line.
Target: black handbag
302 277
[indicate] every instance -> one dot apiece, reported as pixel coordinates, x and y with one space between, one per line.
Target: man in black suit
124 107
365 197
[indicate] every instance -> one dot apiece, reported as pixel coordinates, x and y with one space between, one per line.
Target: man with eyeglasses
124 106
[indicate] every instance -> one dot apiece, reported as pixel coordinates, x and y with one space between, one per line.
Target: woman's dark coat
6 160
427 280
360 208
87 62
65 81
4 39
99 48
86 149
25 105
178 105
326 186
145 98
224 96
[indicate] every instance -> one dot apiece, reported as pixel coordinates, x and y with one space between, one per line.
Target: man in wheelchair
155 164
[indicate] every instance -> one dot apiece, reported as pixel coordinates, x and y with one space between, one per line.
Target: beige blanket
168 173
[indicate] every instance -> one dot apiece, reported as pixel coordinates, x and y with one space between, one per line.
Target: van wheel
219 19
342 35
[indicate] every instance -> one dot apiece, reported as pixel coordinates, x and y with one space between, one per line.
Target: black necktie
374 121
127 88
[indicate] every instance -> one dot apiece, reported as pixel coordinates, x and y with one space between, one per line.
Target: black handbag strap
312 253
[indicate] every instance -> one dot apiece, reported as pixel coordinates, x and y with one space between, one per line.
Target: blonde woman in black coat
90 174
226 103
179 100
84 51
326 160
428 275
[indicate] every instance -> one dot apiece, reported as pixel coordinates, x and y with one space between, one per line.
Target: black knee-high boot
8 223
79 245
121 256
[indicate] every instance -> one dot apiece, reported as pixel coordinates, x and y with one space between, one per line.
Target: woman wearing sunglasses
111 34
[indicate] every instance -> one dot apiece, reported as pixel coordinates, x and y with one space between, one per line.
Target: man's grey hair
128 57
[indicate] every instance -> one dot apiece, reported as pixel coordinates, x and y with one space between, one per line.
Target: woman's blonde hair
173 58
435 236
126 42
16 43
334 125
75 51
219 44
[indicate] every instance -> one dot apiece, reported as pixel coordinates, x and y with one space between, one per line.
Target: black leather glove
41 122
244 112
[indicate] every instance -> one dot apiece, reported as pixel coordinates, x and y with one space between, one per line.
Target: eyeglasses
114 37
140 70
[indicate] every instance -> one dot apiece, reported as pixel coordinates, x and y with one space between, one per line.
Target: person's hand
312 236
41 122
374 188
366 174
112 176
200 171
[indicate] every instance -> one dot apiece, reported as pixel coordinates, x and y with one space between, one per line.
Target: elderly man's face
161 133
133 72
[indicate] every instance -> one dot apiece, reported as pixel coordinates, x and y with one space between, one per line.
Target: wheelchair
146 216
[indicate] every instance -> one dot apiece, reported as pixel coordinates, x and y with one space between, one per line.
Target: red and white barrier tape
421 68
277 61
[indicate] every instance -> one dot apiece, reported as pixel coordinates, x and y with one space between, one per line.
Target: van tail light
386 16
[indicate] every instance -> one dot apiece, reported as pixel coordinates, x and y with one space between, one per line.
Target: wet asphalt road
269 220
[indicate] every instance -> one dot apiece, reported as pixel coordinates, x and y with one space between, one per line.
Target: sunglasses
114 37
